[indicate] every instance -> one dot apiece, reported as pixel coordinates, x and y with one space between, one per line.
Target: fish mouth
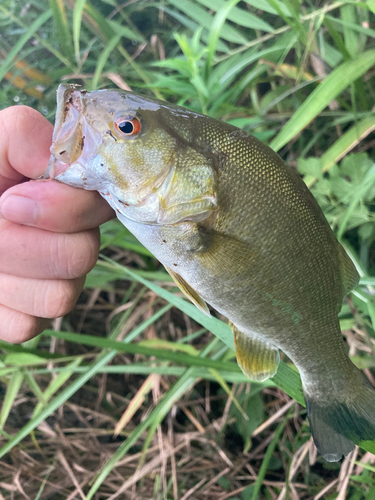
74 142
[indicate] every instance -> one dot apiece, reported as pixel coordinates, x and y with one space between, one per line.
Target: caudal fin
337 424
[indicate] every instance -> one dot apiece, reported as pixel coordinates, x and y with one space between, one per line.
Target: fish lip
67 95
55 168
70 127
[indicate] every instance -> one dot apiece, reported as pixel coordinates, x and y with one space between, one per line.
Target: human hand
49 236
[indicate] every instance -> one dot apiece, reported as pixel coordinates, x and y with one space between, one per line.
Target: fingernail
19 209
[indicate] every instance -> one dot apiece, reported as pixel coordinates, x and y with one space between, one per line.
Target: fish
237 230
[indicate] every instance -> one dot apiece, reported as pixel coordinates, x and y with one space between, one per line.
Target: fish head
110 141
136 151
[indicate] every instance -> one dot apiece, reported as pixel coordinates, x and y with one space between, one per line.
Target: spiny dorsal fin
257 359
189 292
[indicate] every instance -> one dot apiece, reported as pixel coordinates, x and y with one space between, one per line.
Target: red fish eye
128 126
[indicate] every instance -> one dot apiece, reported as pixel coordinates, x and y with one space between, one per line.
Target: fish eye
128 126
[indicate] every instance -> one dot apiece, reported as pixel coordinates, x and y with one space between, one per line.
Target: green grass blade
368 301
239 16
62 25
340 24
141 348
267 457
8 62
77 22
216 28
103 59
336 37
319 99
34 386
57 402
102 360
10 396
56 383
344 145
267 7
204 19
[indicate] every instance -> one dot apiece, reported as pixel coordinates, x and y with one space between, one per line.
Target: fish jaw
74 143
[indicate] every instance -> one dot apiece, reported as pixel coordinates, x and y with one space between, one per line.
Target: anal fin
189 292
257 359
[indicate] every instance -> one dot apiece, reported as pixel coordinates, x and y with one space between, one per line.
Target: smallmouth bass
236 228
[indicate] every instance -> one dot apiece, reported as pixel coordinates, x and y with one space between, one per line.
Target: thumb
25 139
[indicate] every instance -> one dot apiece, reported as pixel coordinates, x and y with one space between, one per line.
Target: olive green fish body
237 229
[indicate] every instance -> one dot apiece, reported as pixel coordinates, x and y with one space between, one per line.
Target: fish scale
237 229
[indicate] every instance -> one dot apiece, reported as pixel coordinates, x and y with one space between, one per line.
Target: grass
89 413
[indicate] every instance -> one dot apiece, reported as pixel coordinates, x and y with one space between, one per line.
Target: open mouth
68 138
74 143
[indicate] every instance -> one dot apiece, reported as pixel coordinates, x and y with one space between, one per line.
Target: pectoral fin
189 292
257 359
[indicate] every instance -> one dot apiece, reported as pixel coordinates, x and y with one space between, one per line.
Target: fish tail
339 422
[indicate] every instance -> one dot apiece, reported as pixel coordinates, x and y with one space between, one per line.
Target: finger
25 139
42 298
17 327
54 206
34 253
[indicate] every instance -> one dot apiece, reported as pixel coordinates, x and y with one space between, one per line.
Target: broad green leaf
319 99
360 193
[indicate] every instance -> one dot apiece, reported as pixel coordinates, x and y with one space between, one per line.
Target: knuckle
19 117
91 245
60 297
17 327
70 256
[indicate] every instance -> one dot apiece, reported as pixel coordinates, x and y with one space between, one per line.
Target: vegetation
130 395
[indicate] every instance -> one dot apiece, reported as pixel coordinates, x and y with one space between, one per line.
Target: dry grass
196 453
